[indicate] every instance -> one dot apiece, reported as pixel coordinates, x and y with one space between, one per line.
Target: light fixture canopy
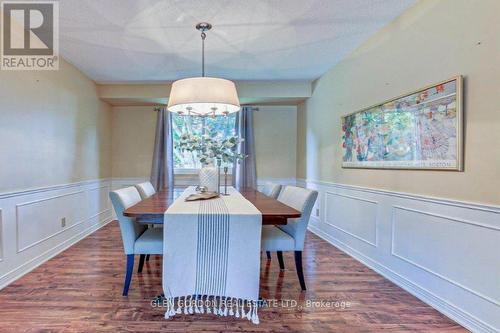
203 96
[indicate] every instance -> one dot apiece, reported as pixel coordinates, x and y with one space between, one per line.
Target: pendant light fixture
203 96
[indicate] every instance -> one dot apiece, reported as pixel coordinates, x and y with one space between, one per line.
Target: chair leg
298 266
147 257
141 263
128 276
268 253
280 260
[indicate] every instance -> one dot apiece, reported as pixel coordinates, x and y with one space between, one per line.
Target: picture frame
419 130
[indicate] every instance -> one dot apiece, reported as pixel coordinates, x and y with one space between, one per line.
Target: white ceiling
155 40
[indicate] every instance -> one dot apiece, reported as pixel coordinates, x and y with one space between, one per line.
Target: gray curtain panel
245 172
162 171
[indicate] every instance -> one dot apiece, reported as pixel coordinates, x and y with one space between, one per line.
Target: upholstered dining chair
271 190
145 189
136 237
291 237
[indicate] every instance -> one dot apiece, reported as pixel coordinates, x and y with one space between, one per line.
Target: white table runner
211 256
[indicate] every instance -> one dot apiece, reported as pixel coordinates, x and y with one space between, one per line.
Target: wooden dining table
152 209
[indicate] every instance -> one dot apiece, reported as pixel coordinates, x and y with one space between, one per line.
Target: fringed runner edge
220 306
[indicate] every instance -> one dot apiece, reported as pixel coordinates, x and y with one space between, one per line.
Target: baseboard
30 265
463 318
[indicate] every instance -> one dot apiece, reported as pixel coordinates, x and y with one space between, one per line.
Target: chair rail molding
37 224
443 251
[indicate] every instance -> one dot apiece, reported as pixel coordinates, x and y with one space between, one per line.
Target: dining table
152 209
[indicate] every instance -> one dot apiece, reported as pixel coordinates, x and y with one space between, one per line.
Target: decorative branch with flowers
211 149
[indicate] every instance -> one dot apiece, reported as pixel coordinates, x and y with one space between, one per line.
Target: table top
151 210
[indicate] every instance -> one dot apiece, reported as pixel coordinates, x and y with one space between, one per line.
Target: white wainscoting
360 223
447 253
31 226
1 237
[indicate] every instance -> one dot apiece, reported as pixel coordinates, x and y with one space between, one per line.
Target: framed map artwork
420 130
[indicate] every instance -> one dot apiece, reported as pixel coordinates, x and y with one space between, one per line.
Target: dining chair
271 190
145 189
291 237
136 237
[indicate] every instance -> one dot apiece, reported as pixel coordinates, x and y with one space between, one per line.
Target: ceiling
155 40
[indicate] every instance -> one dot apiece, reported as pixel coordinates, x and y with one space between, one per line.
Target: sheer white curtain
245 172
162 170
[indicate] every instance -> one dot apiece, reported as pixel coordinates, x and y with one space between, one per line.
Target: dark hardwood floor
80 291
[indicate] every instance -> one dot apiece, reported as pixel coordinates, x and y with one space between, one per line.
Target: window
220 125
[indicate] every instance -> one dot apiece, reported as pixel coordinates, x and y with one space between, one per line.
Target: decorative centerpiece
208 178
212 152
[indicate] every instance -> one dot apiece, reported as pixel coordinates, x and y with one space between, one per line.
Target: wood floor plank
80 291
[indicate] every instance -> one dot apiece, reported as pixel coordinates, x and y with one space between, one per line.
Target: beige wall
53 129
133 137
134 131
275 131
433 41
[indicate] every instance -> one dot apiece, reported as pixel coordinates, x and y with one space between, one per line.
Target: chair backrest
130 230
145 189
302 200
271 190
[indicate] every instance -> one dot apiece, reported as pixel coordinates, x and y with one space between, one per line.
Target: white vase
209 178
